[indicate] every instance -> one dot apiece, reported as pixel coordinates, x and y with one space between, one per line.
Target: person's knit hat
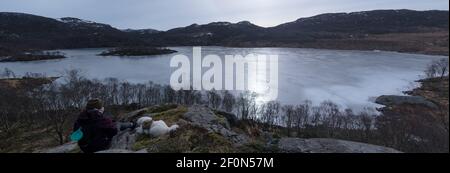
94 104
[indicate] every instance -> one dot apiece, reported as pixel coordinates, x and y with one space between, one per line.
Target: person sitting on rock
98 130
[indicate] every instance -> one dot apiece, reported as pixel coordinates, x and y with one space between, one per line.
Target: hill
424 32
216 33
393 30
20 31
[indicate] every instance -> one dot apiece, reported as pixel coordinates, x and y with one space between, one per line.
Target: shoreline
242 47
309 48
3 59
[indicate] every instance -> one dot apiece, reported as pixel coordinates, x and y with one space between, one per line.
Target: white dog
142 120
146 125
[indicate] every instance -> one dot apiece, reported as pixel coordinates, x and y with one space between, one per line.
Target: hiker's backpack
76 135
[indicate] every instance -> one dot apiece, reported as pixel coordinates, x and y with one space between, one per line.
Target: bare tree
438 68
367 123
443 67
126 93
56 112
214 99
228 101
153 94
270 112
8 73
289 118
246 105
5 96
301 115
169 95
112 88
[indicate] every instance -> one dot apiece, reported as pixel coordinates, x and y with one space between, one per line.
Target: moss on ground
171 116
222 120
187 139
142 142
27 140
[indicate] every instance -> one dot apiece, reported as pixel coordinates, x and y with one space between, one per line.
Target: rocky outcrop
297 145
231 118
204 130
70 147
124 140
121 143
399 100
122 151
203 117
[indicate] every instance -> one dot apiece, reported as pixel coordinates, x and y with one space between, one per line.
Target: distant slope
216 33
396 30
324 26
22 31
141 33
369 22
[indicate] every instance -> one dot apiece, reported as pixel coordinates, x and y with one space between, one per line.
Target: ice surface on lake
350 78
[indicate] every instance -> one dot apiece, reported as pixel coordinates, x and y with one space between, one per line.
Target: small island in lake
137 51
34 56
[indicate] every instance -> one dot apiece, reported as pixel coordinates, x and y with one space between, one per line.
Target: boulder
204 117
388 100
124 140
298 145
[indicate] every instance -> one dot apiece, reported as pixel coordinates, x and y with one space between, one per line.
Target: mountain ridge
27 31
411 31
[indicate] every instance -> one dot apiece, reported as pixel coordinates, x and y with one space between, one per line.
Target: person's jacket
98 131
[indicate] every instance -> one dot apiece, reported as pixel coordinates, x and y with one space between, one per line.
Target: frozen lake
350 78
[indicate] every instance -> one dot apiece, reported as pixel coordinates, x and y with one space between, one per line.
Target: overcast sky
167 14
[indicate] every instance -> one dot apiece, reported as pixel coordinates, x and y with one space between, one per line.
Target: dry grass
21 83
